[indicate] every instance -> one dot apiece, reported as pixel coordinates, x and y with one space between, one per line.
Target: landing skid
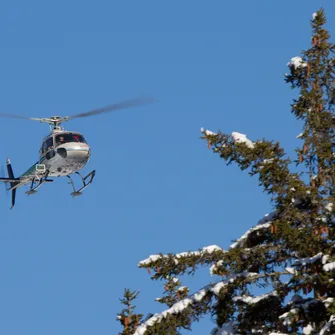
40 181
75 192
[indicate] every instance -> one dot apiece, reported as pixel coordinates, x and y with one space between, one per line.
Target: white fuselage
65 158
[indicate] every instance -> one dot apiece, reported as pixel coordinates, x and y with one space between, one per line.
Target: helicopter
62 152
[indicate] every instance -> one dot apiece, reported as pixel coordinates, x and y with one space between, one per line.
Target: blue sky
219 65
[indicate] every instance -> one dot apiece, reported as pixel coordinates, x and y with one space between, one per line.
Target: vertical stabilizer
9 169
12 183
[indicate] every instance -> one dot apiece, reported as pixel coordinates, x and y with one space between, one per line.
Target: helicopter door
48 148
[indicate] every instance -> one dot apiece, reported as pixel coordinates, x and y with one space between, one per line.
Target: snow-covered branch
181 261
264 158
195 298
296 63
254 300
226 329
328 325
242 138
262 224
177 308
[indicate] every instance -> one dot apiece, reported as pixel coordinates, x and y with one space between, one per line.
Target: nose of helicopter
76 152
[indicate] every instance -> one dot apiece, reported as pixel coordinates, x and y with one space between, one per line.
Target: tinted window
50 143
47 144
66 138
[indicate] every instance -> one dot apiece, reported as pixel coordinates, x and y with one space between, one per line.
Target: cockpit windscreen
69 137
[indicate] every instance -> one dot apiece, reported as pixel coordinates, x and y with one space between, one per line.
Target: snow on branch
329 266
203 252
254 300
197 297
210 249
329 207
216 288
207 132
327 326
236 137
296 62
151 259
267 218
226 329
328 301
262 224
301 306
214 268
177 308
242 138
291 271
289 316
241 241
307 260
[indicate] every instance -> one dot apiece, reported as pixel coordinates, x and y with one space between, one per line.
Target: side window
44 147
49 143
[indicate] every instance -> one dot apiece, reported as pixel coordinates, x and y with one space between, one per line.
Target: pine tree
290 252
128 318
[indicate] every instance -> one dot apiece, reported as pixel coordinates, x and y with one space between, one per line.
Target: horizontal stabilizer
15 186
10 180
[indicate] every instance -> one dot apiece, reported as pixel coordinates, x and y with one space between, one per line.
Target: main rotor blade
115 107
110 108
14 116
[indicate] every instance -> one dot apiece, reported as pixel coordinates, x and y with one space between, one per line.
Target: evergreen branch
160 322
196 302
264 158
185 262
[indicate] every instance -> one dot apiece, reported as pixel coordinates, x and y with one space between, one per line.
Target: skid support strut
75 192
41 181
